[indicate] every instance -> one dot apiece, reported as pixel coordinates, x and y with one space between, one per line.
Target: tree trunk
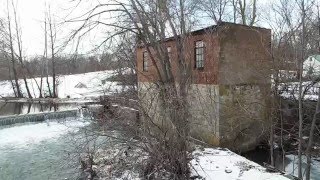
310 143
10 77
13 61
27 87
313 124
20 50
300 92
41 82
46 55
234 4
54 88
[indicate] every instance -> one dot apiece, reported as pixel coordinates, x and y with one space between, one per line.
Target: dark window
199 54
169 52
145 61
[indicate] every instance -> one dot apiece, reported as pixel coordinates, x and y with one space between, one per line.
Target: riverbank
73 86
50 100
219 163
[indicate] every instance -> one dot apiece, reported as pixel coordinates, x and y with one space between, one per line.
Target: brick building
230 82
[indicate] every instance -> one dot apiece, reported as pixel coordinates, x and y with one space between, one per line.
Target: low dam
43 145
37 117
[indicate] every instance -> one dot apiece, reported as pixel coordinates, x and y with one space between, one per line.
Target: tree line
71 64
15 65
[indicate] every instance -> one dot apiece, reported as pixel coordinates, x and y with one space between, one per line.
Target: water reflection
7 109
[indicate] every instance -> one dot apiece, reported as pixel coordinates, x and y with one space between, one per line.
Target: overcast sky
31 15
31 18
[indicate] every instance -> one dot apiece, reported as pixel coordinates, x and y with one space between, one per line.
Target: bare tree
46 54
292 45
317 111
303 12
151 21
247 12
234 6
52 36
19 44
215 9
225 10
13 61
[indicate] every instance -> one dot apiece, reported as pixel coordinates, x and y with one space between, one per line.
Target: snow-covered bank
223 164
290 90
51 100
77 86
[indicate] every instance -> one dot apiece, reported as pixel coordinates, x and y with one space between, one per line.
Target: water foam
25 135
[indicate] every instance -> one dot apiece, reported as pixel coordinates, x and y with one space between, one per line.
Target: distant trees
71 64
247 11
15 65
65 64
9 51
237 11
217 10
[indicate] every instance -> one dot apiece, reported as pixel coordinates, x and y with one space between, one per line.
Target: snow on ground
91 84
223 164
291 90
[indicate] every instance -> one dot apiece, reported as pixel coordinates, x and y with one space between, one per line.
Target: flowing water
289 165
50 149
38 151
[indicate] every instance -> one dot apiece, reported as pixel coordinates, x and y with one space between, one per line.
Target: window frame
145 61
169 51
199 52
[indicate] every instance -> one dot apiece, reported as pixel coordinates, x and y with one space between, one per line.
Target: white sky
31 18
31 15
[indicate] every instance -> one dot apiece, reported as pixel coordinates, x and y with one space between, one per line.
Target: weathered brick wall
245 56
207 75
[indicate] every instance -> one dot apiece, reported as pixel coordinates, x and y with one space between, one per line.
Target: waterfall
9 120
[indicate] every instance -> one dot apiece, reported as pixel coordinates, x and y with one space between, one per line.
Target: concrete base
228 116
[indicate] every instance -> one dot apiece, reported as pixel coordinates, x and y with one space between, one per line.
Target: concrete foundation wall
243 114
150 103
204 110
222 115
